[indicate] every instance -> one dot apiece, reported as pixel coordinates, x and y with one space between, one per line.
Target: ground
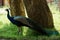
8 31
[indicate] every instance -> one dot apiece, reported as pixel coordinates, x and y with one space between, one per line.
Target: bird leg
20 30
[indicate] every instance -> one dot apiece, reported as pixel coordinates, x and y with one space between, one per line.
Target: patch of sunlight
25 29
56 16
1 26
2 11
54 8
4 19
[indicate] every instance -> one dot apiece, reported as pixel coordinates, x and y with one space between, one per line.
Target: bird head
7 9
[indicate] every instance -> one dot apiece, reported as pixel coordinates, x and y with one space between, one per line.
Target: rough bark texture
17 8
38 11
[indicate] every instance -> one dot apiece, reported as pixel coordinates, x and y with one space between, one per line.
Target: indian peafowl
23 21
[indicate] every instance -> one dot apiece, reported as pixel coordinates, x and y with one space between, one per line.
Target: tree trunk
39 11
17 8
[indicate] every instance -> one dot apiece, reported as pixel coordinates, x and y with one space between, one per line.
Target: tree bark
39 11
17 8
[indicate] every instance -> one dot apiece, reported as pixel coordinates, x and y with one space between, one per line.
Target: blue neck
9 17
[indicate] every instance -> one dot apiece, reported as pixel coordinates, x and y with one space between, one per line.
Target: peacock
21 21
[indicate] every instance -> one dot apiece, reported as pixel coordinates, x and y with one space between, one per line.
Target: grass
8 31
7 28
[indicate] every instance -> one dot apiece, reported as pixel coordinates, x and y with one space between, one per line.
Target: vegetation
8 31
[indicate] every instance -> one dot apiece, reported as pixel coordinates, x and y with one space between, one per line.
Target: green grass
8 30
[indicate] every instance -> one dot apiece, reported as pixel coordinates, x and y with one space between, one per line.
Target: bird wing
21 19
